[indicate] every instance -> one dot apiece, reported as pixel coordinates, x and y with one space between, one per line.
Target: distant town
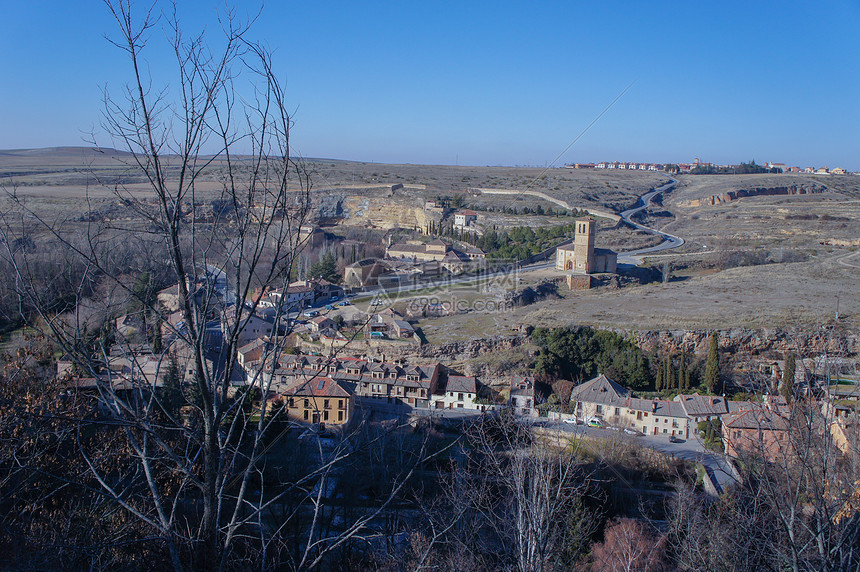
700 167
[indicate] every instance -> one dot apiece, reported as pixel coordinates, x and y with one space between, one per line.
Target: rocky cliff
730 196
391 209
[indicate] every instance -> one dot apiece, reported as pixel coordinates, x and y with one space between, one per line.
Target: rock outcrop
730 196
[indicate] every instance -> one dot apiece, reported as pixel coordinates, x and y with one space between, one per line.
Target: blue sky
490 83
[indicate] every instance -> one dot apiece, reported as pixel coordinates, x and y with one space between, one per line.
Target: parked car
311 314
673 439
595 422
630 431
329 307
344 303
570 420
376 302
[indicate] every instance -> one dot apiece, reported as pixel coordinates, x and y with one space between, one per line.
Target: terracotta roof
318 387
756 419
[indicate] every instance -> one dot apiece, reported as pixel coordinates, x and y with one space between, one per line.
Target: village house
321 323
319 400
460 393
761 431
252 327
522 398
323 290
613 404
464 218
372 382
363 273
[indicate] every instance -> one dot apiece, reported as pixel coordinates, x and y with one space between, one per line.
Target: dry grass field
810 242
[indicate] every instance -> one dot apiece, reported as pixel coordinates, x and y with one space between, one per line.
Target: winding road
634 257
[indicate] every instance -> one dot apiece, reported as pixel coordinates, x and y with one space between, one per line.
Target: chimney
654 407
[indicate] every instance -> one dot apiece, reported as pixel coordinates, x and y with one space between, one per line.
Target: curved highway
634 257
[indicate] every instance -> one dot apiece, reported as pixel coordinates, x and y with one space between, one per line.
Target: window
460 397
306 414
664 430
340 415
617 411
599 409
325 404
325 417
460 405
307 403
340 403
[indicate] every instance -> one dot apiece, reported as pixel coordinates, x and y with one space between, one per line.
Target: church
582 257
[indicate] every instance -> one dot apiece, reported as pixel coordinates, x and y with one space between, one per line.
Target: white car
570 420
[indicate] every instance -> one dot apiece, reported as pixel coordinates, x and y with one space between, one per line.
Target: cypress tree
682 370
712 368
787 386
669 373
658 383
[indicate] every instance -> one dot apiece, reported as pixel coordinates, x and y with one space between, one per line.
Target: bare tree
527 490
211 187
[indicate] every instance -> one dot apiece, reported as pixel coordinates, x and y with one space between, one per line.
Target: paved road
634 257
689 450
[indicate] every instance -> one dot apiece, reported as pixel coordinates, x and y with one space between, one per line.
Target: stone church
582 257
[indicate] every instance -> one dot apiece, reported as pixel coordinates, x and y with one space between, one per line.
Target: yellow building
319 400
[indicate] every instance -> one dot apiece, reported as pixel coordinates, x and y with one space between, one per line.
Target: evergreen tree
712 368
172 398
682 370
326 268
157 342
669 372
658 383
787 386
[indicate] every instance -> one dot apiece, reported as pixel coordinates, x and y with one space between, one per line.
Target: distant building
363 273
465 218
311 236
433 250
582 257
